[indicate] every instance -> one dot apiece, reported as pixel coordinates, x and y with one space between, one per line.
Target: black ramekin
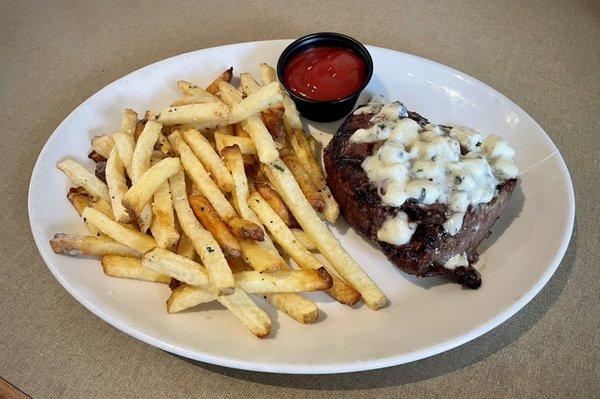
325 111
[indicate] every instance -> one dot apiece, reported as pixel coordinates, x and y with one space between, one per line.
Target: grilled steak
430 246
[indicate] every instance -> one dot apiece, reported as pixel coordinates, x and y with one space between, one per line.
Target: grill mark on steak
430 246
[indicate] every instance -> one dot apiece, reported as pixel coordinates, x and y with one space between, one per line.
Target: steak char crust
430 246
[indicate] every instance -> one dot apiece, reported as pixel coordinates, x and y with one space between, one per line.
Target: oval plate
425 317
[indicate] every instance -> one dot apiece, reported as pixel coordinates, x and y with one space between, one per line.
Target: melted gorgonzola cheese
426 164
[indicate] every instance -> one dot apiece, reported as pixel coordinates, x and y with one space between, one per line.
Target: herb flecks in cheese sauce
426 164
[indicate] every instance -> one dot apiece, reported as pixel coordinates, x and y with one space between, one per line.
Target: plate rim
306 368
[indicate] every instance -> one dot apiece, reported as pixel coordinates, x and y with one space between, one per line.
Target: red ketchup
325 73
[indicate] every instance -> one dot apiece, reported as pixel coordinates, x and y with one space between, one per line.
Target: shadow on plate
444 363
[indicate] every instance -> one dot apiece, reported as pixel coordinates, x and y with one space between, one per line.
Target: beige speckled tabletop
543 55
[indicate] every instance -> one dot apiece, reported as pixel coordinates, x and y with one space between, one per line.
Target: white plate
425 317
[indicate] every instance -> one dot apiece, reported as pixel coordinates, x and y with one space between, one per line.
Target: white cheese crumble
426 164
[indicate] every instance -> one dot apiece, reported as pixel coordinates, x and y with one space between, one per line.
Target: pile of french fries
218 195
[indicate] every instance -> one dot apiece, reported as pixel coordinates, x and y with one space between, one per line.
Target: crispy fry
139 128
305 260
185 247
268 96
209 158
176 266
296 306
247 312
125 145
73 245
186 296
163 218
215 112
80 200
204 243
103 144
226 76
306 185
82 177
267 74
276 203
291 117
185 270
273 120
243 228
117 186
211 221
302 149
261 255
304 239
118 232
285 184
129 121
312 145
253 125
194 169
188 100
245 144
283 281
190 89
140 163
142 191
238 129
127 267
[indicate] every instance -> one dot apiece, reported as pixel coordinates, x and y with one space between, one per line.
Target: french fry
211 221
268 96
226 76
186 296
305 260
139 128
267 74
251 282
185 247
209 158
306 185
273 120
194 169
187 101
239 130
285 184
243 228
253 125
127 267
304 239
306 157
215 112
140 163
102 206
142 191
163 218
190 89
204 243
283 281
80 200
246 144
74 244
247 312
312 145
103 144
125 145
80 176
129 121
276 203
176 266
117 186
262 256
296 306
291 118
118 232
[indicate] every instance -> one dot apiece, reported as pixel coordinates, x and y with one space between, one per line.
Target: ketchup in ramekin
324 73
